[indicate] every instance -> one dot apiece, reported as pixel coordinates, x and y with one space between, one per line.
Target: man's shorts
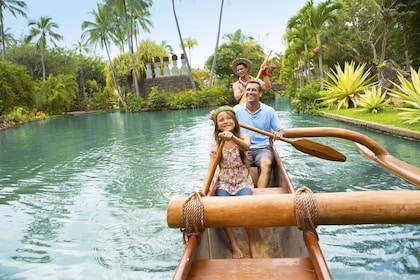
256 154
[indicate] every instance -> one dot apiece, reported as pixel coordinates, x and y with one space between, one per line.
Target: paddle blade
317 149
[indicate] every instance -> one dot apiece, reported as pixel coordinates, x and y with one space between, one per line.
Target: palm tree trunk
213 66
129 26
183 48
321 66
113 77
43 63
3 44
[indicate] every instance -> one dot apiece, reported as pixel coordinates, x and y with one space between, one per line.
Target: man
261 116
243 68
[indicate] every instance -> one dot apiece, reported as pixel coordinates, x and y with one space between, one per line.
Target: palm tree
318 17
43 28
99 31
237 36
132 12
82 48
298 33
167 47
190 43
14 7
213 66
183 47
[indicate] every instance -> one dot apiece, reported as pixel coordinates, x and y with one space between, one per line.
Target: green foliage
374 99
343 88
106 99
16 116
135 103
16 88
204 96
183 100
157 99
305 101
227 52
409 95
58 93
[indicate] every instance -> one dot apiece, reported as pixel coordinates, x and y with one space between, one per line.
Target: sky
265 21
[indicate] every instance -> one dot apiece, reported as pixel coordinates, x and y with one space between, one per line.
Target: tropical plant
16 88
213 66
99 31
227 52
183 47
131 12
58 93
43 28
82 48
344 87
409 95
318 17
373 99
190 43
14 7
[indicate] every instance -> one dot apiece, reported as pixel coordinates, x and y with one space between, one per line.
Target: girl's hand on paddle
227 135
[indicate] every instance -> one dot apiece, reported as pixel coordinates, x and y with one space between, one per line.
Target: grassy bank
388 117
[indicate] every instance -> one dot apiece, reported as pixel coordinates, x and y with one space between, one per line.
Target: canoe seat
247 268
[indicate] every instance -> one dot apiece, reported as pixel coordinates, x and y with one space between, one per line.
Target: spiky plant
344 87
409 95
373 99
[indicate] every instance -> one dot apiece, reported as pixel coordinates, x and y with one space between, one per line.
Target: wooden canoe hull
285 254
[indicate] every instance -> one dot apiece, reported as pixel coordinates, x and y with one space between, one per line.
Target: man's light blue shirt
265 118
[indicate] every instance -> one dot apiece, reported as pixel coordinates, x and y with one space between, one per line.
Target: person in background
234 178
243 68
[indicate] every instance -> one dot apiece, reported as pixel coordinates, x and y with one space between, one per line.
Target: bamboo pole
367 207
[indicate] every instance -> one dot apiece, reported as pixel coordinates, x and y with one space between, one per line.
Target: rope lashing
305 210
192 217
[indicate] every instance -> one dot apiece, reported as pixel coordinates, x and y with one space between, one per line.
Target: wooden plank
383 207
243 269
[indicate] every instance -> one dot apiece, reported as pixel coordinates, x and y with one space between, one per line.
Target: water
85 197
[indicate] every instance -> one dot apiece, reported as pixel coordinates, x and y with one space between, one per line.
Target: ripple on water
139 241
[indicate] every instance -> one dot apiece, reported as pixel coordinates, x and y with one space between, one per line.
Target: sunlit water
85 197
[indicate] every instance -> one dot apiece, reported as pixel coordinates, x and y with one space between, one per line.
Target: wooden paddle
265 62
306 146
243 98
213 168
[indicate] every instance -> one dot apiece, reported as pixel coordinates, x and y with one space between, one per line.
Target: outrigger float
285 218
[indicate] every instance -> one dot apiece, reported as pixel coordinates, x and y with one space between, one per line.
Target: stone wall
168 84
174 79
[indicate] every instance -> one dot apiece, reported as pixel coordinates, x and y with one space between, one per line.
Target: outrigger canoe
285 218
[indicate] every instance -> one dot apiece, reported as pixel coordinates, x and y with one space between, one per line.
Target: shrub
157 99
305 100
409 94
344 87
374 99
135 103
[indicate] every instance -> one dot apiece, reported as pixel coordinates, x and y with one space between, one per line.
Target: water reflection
86 196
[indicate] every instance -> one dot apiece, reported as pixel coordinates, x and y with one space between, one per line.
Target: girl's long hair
237 133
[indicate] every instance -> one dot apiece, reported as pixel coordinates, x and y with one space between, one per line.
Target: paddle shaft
269 134
305 145
265 61
213 168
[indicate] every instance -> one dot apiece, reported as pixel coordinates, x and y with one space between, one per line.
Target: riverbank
388 129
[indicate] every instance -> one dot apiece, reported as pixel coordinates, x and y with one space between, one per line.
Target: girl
234 177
